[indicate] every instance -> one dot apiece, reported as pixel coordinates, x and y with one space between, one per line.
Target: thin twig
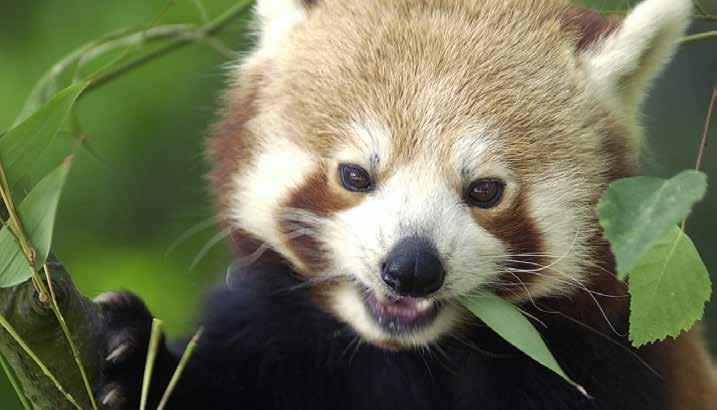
149 364
700 7
209 29
131 42
68 336
19 233
705 133
13 381
8 327
180 368
701 36
202 10
14 219
700 16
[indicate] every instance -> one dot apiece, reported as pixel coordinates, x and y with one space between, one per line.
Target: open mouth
401 314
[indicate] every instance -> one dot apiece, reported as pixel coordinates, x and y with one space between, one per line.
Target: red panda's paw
128 325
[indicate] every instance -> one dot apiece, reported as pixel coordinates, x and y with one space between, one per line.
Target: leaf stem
202 10
8 327
700 7
699 16
706 130
68 336
206 30
700 36
13 216
19 233
13 381
149 364
180 368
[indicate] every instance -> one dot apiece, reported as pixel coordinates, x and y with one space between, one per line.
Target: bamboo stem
68 336
180 368
701 36
149 364
13 381
208 29
8 328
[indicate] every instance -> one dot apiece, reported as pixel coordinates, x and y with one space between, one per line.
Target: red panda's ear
278 18
621 58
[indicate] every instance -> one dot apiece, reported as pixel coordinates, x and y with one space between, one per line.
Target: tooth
424 305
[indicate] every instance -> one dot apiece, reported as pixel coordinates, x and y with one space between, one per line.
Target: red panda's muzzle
401 314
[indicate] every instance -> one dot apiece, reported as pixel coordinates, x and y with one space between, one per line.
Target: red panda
378 159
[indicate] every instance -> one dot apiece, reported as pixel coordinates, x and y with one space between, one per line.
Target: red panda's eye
485 193
354 178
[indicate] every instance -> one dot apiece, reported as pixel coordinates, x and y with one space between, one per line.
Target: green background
124 208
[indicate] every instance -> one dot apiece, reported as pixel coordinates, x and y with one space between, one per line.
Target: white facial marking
565 227
417 199
280 168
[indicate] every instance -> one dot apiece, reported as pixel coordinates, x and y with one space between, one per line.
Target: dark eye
354 178
485 193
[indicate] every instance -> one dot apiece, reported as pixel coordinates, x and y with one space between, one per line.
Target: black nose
413 268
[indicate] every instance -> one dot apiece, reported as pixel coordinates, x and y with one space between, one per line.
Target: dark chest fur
269 347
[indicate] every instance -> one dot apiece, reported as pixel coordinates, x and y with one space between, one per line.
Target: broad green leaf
636 212
508 322
669 286
37 214
22 147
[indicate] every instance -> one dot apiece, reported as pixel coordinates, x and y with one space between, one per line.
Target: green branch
68 336
701 36
13 380
19 340
37 351
207 30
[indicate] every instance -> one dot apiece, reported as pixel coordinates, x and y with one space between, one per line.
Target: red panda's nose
413 268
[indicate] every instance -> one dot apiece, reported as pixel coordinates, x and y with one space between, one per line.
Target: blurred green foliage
125 207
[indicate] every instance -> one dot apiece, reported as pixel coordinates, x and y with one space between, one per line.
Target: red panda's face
401 156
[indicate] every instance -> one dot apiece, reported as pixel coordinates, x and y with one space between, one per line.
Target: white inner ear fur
622 66
277 19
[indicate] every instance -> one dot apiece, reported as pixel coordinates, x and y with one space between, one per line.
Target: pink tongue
403 302
404 308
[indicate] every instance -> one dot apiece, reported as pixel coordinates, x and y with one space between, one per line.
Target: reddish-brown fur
367 58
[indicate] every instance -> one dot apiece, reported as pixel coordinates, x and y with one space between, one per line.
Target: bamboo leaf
37 212
35 139
508 322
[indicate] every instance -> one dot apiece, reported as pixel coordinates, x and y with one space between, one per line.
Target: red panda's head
400 154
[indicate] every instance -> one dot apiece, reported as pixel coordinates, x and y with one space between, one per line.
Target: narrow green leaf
22 147
669 286
14 267
508 322
37 213
636 212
